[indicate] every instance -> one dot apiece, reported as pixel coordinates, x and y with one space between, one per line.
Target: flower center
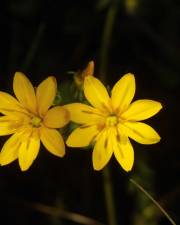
36 121
111 121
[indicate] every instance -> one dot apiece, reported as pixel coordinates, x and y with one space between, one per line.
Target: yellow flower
30 121
110 121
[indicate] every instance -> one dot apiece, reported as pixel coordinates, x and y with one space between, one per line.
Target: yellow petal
140 132
9 104
103 150
10 149
123 92
81 113
28 149
7 125
12 122
24 92
53 141
56 117
141 110
124 153
96 93
82 136
46 92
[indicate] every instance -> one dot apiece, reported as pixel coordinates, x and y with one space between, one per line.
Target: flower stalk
109 196
106 39
104 52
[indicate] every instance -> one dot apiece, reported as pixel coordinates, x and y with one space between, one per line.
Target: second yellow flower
31 120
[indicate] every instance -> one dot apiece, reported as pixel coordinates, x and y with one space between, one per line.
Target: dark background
42 38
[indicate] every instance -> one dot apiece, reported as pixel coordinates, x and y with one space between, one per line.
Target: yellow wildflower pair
107 123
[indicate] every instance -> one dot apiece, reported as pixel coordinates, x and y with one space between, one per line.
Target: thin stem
154 201
106 39
104 52
108 192
34 46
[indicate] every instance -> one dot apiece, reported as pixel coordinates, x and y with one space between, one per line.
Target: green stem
104 52
108 192
34 46
106 39
153 200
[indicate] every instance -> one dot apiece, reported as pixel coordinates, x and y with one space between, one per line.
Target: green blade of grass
154 201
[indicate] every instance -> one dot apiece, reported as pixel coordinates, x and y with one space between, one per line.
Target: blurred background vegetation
42 38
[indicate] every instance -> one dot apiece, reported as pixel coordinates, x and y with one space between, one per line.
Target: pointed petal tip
23 169
161 106
89 70
142 109
97 167
52 78
128 169
2 162
62 155
91 62
18 73
68 143
129 75
126 166
91 65
158 139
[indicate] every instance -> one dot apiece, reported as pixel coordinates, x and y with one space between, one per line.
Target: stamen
111 121
36 121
